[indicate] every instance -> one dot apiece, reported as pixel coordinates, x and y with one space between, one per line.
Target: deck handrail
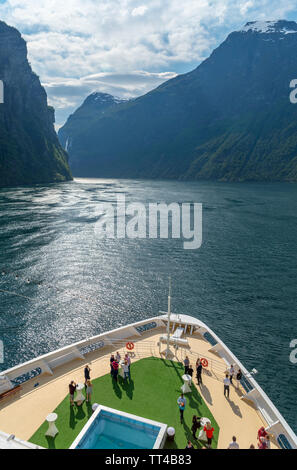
119 335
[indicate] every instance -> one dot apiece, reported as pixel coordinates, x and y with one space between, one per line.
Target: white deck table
80 398
52 428
203 421
121 370
187 382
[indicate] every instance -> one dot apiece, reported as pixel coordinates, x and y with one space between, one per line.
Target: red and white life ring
130 345
204 362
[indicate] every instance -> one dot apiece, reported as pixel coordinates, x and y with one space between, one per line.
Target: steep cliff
229 119
93 108
29 148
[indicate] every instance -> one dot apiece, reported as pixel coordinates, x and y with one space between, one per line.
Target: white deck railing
47 363
276 422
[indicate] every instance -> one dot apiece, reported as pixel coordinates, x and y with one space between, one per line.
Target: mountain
230 119
30 151
93 108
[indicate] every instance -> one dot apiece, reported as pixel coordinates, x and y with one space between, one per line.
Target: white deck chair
178 333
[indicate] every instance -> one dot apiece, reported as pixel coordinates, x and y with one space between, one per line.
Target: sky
125 47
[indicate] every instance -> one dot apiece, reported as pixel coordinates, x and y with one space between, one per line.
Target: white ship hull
27 373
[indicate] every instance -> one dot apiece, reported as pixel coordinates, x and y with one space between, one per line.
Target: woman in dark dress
195 425
111 361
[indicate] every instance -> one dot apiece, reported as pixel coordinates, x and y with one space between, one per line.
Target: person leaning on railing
238 377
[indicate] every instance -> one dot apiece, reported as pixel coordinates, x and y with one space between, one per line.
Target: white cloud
245 6
139 11
66 94
73 39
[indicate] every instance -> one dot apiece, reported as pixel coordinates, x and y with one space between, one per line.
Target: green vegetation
230 119
152 393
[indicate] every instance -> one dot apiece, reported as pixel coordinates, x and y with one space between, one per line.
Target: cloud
74 39
139 11
67 94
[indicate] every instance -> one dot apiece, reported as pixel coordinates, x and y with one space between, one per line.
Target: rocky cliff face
229 119
94 107
29 148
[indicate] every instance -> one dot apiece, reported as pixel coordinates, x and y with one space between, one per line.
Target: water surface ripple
241 282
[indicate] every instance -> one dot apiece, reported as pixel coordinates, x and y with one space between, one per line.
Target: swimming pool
113 429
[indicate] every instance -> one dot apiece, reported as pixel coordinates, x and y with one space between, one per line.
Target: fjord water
71 284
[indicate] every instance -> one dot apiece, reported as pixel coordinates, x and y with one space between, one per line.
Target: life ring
130 345
204 362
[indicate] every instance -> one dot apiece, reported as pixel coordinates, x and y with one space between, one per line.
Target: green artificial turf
152 393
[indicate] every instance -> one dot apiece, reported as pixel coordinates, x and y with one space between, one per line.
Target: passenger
115 370
128 359
181 401
226 386
118 356
199 373
262 443
262 433
252 446
125 367
190 373
189 445
268 443
209 430
186 364
111 361
89 390
87 374
233 444
238 378
72 388
231 373
195 425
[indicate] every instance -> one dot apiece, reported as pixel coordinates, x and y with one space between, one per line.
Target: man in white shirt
227 386
126 370
231 373
128 359
233 444
118 356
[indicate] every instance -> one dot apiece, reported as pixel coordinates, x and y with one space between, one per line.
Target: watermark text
1 92
154 220
1 352
293 355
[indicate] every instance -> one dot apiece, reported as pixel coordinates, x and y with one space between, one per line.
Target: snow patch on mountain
268 27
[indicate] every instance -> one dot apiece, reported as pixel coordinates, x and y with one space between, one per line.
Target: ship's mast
168 352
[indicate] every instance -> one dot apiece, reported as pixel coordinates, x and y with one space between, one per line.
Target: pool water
113 431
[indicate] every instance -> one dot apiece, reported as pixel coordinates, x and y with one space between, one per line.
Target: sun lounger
178 333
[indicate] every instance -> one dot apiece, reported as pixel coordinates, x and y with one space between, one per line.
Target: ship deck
23 414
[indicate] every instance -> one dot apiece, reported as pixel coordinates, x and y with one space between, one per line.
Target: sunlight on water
72 285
